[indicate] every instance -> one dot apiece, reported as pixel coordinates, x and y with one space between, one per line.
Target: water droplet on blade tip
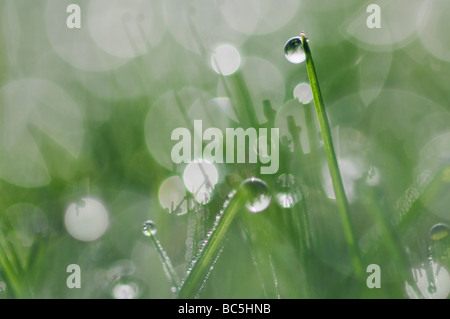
149 228
293 50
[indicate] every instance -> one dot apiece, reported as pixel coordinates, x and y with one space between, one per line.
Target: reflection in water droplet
439 240
293 50
439 232
287 192
149 228
258 194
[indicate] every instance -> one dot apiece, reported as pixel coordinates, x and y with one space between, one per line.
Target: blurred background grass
87 114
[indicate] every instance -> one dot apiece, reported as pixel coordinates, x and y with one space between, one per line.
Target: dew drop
258 194
439 241
293 50
439 232
149 228
287 192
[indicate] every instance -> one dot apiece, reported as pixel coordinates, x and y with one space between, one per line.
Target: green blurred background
86 117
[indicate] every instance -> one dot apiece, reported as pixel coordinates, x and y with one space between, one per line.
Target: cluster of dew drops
258 200
259 196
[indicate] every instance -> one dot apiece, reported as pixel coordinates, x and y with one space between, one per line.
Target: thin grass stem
338 185
167 264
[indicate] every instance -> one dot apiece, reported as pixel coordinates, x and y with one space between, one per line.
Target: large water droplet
149 228
288 194
258 194
293 50
439 241
439 232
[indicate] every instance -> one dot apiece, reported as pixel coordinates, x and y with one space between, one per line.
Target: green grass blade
207 256
167 264
434 189
341 198
9 274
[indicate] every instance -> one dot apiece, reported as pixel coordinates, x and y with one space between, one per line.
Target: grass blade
213 244
338 186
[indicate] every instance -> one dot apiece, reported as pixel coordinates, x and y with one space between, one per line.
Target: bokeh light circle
225 59
86 220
